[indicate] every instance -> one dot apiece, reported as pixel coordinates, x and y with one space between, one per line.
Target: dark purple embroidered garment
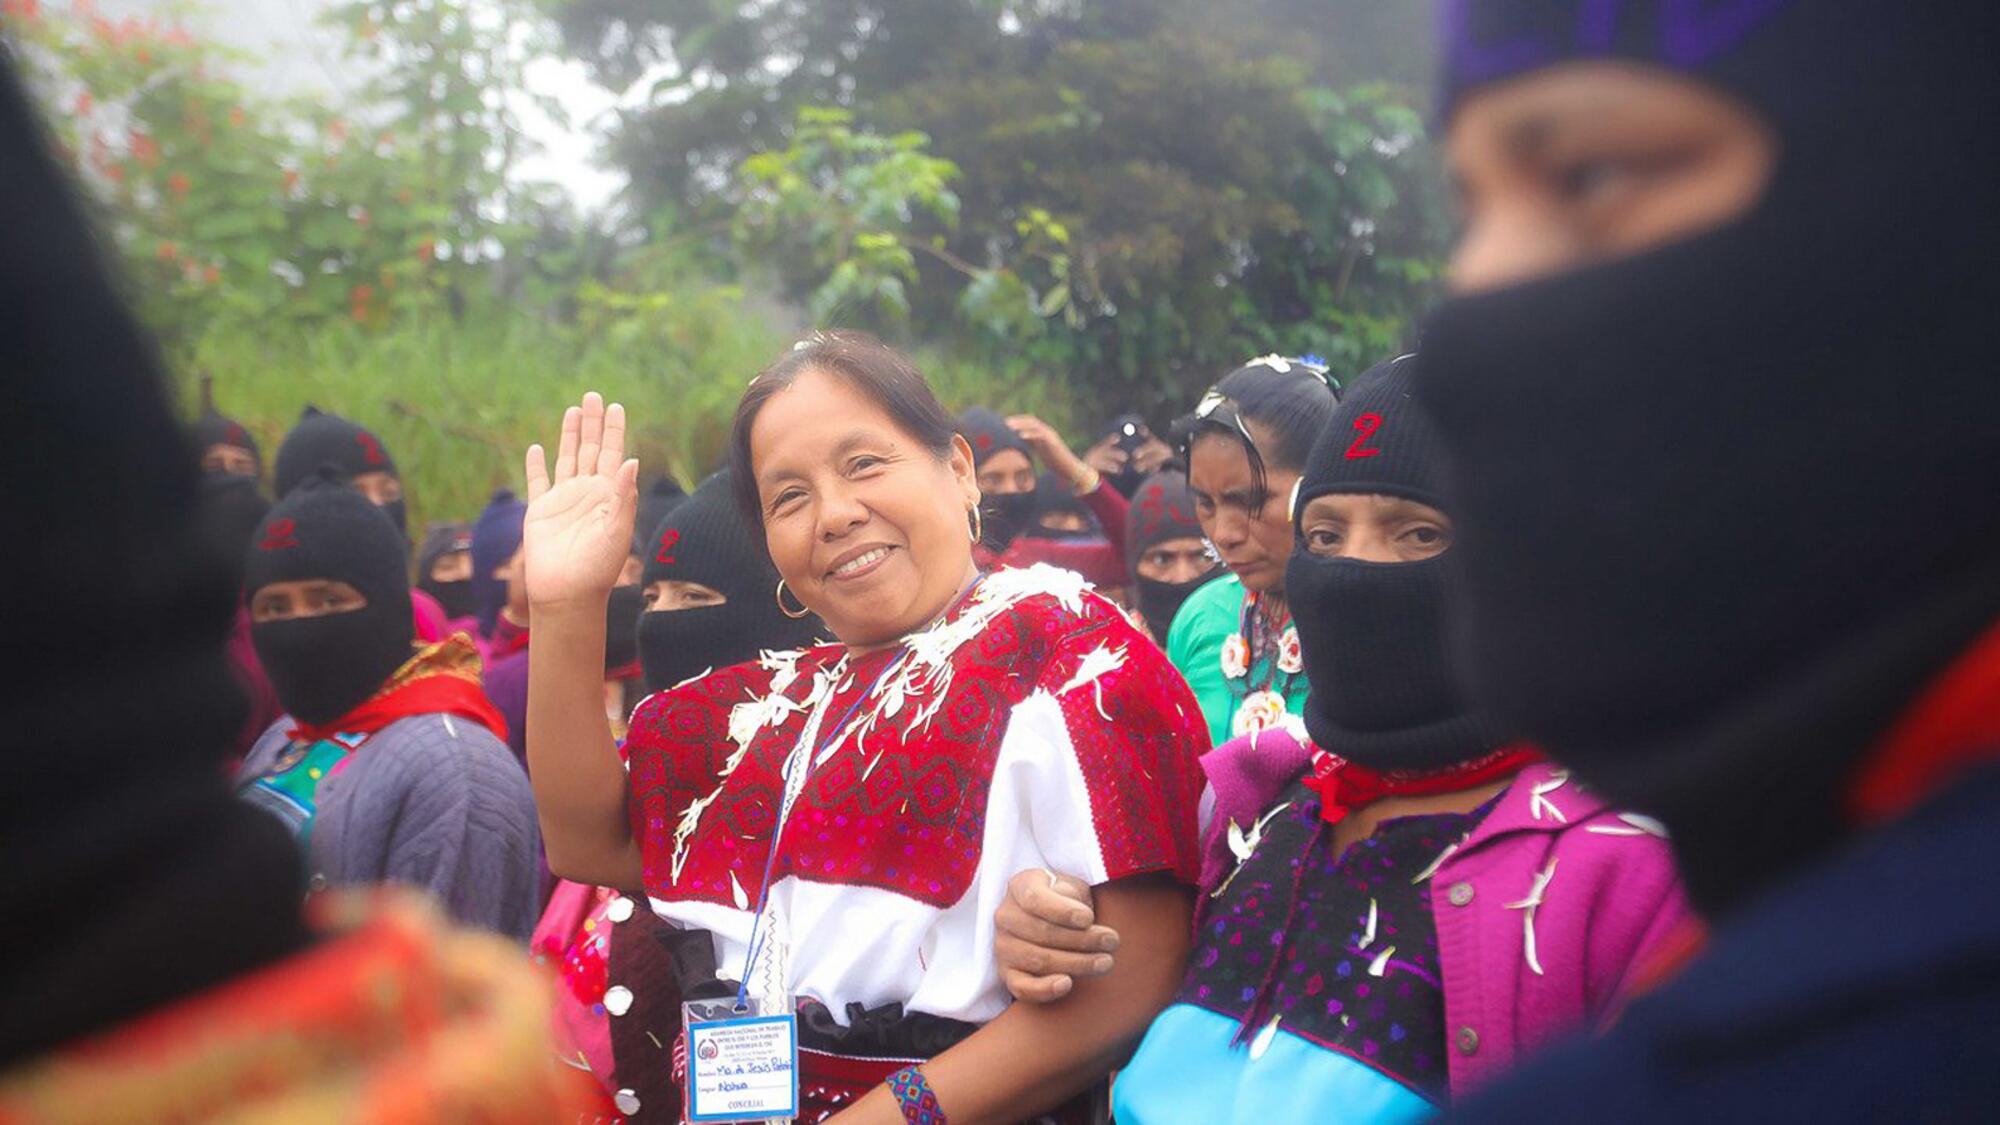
1289 936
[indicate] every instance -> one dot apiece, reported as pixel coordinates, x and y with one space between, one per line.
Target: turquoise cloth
1188 1070
1208 618
289 789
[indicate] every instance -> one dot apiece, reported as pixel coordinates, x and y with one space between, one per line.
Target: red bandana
1345 786
442 679
1952 726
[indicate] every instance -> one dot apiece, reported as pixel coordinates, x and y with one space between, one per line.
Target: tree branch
911 242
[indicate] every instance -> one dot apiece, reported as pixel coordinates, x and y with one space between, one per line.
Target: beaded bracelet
915 1097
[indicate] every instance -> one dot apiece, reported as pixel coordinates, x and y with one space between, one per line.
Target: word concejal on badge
743 1068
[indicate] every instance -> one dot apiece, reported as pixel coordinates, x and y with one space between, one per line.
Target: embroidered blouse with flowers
1031 727
1244 666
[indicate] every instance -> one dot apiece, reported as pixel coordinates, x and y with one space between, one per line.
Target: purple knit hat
1491 40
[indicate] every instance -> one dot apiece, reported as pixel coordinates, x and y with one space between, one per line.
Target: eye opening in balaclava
707 541
324 667
1374 634
213 429
1059 513
1162 511
1745 389
1004 516
321 442
454 595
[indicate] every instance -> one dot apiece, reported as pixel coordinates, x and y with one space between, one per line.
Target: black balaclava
133 876
213 429
1055 496
706 541
232 508
323 667
621 626
1163 509
1724 506
661 497
1374 634
495 537
321 441
1005 515
442 539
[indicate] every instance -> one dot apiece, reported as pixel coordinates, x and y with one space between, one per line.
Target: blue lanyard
784 810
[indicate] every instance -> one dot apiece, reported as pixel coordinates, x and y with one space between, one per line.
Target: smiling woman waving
828 831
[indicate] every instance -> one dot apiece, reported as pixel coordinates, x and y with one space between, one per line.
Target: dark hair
1292 399
867 364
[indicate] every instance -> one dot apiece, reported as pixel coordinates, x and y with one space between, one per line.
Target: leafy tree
842 200
235 209
1146 191
728 79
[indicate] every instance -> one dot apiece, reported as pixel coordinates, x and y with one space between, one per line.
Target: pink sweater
1609 900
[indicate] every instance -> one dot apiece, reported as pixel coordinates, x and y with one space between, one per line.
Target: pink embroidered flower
1235 657
1291 660
1261 711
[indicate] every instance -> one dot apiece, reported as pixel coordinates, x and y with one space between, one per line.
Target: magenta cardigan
1608 899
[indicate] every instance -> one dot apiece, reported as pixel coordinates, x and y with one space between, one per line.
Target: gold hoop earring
978 526
787 610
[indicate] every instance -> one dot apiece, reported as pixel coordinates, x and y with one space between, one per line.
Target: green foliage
1012 384
371 255
1145 191
458 407
848 212
1066 208
842 201
236 210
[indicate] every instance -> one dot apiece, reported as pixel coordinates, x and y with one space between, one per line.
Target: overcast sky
301 58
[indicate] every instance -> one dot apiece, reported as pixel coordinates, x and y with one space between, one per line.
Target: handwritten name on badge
743 1069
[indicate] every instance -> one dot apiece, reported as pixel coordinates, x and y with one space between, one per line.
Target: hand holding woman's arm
1034 1057
575 539
1045 937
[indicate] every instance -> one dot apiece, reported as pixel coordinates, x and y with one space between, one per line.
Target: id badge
741 1065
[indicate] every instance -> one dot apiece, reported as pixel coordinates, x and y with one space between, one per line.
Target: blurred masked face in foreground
1709 367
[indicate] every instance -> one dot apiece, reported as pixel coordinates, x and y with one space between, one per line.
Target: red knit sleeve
1111 508
1137 734
675 752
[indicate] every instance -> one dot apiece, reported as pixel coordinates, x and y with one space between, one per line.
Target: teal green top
1208 618
289 789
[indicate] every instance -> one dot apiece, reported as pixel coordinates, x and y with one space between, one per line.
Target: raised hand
579 526
1050 448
